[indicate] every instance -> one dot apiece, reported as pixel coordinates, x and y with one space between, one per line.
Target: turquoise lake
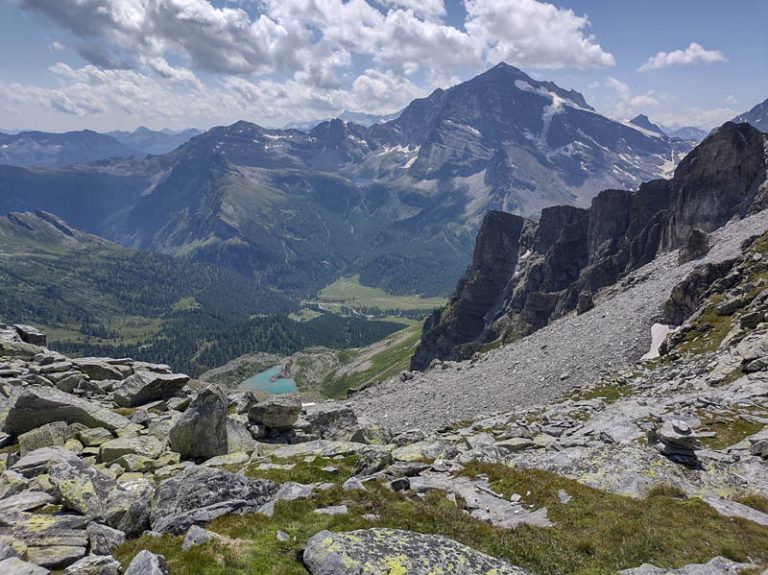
270 382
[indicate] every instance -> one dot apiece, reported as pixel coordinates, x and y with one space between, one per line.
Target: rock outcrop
516 287
383 551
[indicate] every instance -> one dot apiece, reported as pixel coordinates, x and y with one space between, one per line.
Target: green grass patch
394 358
729 427
754 500
608 392
708 332
350 292
306 471
666 490
594 534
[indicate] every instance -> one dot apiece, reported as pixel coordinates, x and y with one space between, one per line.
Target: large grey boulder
277 412
128 509
385 551
35 406
82 487
201 432
145 386
147 563
330 421
29 334
201 494
97 369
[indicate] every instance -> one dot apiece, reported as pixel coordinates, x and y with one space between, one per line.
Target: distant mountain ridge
397 203
49 149
156 142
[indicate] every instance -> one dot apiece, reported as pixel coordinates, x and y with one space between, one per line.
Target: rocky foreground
106 462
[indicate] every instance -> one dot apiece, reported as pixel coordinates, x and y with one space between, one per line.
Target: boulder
49 435
11 483
35 406
128 509
15 566
82 487
717 566
11 546
147 563
145 386
277 412
25 501
97 369
330 421
239 439
29 334
196 536
201 432
104 540
143 445
41 460
94 565
386 551
201 494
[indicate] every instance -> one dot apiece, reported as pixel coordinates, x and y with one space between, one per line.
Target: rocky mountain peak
642 121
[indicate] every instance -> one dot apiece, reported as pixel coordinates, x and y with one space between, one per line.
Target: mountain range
757 116
32 148
398 203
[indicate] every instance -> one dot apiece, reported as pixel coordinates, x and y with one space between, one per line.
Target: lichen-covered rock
36 405
128 508
426 450
41 460
201 494
82 487
143 445
196 536
277 412
104 540
201 432
145 386
147 563
16 566
49 435
387 551
94 565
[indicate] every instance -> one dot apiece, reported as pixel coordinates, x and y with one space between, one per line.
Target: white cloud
532 33
694 54
625 103
705 118
432 9
270 59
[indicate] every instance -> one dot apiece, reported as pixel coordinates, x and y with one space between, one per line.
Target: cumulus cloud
694 54
532 33
269 58
625 103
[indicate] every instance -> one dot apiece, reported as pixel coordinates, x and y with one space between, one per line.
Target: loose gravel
572 351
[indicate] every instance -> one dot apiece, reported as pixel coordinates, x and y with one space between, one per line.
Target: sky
121 64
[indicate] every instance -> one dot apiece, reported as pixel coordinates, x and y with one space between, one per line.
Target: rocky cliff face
572 253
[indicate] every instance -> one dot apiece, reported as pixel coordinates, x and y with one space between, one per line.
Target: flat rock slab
25 501
41 460
319 448
387 551
36 406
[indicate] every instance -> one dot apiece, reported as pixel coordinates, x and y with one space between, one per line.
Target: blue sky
118 64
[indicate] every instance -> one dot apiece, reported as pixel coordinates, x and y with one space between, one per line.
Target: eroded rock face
202 494
201 432
385 551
